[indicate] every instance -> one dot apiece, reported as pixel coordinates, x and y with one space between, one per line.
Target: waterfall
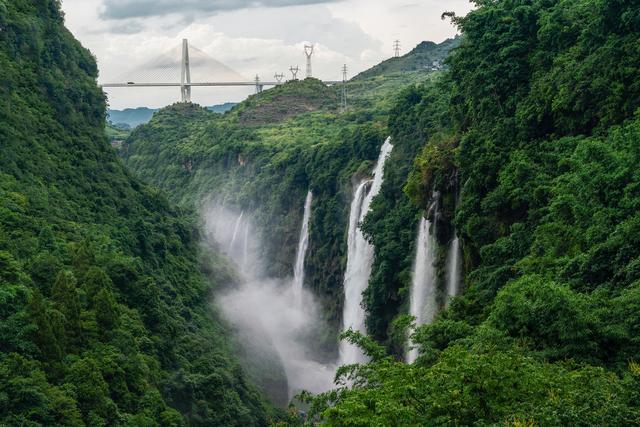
278 336
303 243
359 258
423 298
236 229
453 269
245 248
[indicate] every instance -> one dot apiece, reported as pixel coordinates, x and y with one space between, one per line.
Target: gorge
474 227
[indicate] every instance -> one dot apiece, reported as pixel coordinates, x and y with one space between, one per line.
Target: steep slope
103 312
530 155
427 56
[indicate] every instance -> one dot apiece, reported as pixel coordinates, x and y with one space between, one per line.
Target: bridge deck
218 84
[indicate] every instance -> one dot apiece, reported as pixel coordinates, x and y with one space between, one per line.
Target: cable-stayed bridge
179 66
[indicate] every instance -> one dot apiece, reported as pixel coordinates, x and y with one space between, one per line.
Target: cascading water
236 230
276 334
423 298
303 244
359 258
453 269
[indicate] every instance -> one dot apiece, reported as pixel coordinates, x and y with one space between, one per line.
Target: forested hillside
533 133
133 117
104 317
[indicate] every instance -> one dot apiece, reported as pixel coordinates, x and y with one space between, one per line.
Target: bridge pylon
185 80
308 51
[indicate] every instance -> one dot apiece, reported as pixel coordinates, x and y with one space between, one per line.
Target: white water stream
423 298
359 258
303 244
274 316
453 269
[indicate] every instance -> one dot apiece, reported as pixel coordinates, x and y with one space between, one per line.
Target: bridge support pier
185 81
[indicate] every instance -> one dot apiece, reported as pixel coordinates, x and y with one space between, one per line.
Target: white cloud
257 40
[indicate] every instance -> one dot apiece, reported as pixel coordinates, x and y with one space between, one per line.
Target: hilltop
426 56
133 117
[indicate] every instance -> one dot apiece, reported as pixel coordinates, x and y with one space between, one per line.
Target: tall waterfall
453 268
359 258
278 336
423 298
303 244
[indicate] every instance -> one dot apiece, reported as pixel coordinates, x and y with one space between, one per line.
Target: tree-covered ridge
540 133
103 314
426 56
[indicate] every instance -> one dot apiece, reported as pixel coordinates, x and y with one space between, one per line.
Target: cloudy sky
250 36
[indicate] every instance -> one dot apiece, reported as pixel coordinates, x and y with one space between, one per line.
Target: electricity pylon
343 100
294 72
259 85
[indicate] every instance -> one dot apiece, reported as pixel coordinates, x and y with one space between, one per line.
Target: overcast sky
250 36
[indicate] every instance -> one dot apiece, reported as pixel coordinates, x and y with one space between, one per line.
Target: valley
457 246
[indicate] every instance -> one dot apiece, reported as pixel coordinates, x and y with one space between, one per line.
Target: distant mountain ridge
426 56
134 117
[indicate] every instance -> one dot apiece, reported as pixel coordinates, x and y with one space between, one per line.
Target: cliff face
103 312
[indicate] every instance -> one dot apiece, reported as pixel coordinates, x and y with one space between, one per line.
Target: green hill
104 317
134 117
427 56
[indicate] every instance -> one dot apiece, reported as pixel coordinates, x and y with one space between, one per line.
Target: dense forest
524 131
104 317
534 129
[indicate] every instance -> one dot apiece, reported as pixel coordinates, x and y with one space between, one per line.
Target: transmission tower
396 48
343 100
279 77
259 85
185 80
294 72
308 51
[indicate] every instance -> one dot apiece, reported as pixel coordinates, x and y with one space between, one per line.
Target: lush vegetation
265 154
539 132
427 56
134 117
103 310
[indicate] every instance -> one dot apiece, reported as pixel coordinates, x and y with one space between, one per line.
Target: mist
268 314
